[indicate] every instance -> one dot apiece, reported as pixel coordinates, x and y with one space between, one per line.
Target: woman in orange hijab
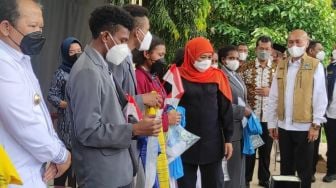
207 100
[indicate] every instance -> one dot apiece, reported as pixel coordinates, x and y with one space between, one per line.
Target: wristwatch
315 126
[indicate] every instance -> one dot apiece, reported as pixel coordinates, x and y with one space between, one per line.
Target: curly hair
109 17
224 52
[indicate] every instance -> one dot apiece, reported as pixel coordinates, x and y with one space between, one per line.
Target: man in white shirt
26 130
330 126
296 108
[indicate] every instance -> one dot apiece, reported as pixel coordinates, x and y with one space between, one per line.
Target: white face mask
215 65
320 55
296 51
232 64
242 56
334 54
202 66
118 53
146 42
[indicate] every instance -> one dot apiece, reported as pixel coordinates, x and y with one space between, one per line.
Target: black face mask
74 57
158 68
32 43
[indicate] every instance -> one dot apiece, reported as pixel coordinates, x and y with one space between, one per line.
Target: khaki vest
303 90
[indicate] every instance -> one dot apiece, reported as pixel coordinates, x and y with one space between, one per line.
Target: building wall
62 18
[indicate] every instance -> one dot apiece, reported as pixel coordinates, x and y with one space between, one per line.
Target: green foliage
235 21
178 21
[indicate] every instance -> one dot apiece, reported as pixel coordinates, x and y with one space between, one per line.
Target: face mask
295 51
263 55
74 57
232 64
32 43
118 53
146 42
320 55
202 66
158 68
242 56
334 54
215 65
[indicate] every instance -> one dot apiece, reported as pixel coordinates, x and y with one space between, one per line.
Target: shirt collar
101 58
295 63
257 64
13 53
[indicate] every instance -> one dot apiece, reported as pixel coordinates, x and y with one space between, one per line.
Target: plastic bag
252 131
225 170
151 155
178 141
254 126
248 148
151 159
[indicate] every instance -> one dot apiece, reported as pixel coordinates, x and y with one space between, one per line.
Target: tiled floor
318 184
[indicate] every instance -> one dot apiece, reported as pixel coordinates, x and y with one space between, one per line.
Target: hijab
67 61
193 50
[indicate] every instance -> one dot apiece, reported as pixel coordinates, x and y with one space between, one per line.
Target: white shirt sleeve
272 113
320 98
19 118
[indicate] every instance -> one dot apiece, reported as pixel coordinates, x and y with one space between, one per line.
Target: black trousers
68 175
316 152
264 152
211 175
330 130
296 155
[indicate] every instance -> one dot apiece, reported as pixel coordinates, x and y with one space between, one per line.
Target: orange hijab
193 50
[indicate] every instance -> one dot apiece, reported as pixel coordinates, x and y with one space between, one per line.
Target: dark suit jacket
101 140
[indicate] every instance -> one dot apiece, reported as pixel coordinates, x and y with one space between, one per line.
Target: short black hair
224 52
179 57
137 12
138 56
9 11
241 44
312 45
264 39
108 17
279 47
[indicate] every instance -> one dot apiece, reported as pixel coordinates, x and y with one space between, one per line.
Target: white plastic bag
178 141
257 141
151 159
225 170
